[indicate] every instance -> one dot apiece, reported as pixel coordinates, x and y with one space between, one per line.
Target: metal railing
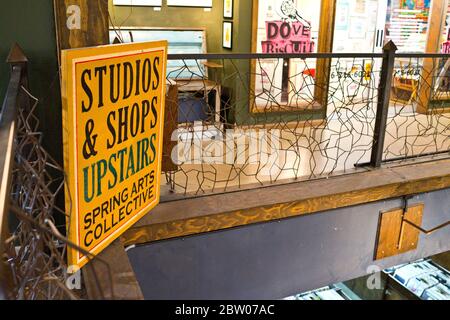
329 113
32 246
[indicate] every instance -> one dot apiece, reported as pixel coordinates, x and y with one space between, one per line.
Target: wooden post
81 23
325 45
112 277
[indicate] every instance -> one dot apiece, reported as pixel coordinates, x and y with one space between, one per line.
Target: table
201 85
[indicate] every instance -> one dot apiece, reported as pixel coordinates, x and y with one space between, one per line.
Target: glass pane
407 24
355 26
286 26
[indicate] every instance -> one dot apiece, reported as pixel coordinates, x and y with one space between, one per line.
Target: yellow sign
113 117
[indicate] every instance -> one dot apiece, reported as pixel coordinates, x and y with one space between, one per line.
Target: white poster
228 9
227 35
148 3
190 3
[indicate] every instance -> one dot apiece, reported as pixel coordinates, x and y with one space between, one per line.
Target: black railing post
16 58
384 94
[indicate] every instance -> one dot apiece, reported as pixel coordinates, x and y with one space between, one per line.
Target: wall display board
407 24
148 3
190 3
113 117
179 41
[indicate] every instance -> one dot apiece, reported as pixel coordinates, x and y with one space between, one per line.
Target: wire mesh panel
252 121
36 249
418 122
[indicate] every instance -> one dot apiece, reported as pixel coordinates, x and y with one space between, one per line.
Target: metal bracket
399 229
414 225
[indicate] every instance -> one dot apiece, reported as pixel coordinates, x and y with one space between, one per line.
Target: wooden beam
223 211
254 47
325 45
93 28
110 276
437 18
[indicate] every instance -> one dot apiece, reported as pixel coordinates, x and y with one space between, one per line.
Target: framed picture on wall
227 41
146 3
190 3
228 9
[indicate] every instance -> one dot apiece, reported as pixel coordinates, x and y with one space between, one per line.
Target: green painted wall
180 17
30 23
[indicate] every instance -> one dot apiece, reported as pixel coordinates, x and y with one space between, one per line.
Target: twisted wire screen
247 122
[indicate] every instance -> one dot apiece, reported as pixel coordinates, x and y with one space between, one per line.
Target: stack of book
325 293
423 278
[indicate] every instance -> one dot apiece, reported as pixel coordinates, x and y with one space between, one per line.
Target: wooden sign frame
108 162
